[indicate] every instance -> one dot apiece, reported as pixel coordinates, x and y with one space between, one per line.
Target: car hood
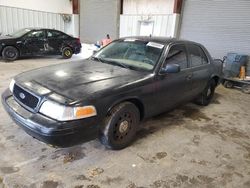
5 37
79 80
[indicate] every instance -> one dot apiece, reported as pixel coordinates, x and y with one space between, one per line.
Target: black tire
119 128
207 95
67 52
228 84
10 53
245 89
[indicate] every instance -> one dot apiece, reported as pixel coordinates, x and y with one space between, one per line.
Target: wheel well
137 103
216 79
8 46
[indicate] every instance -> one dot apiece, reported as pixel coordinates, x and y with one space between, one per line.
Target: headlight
65 113
11 86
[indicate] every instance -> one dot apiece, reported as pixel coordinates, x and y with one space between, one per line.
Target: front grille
25 97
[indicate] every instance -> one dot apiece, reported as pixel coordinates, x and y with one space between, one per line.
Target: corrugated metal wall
12 19
221 25
130 24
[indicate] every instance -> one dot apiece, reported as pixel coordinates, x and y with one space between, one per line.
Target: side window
36 34
55 34
203 57
195 56
177 55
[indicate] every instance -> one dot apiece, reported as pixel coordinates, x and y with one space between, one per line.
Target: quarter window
197 55
177 55
203 57
55 34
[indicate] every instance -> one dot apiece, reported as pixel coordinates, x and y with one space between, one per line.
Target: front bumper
47 130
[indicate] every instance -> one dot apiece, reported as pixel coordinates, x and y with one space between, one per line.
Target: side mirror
171 68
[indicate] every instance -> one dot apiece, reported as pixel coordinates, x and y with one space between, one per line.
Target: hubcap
10 54
123 126
67 53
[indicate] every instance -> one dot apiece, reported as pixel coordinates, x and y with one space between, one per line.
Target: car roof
39 28
161 40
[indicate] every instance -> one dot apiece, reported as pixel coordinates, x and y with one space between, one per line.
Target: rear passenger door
56 40
200 67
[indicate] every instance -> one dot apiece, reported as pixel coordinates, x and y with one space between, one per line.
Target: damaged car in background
109 94
38 42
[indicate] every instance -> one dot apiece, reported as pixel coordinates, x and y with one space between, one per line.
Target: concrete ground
191 146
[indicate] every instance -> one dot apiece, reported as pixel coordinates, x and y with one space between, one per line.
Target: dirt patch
194 114
79 186
196 140
112 180
93 186
9 170
10 137
95 172
132 185
161 155
200 162
216 129
83 178
160 183
50 184
69 154
158 156
247 183
181 178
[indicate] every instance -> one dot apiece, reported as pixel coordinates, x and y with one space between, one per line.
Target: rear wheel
67 52
228 84
245 89
10 53
119 127
207 95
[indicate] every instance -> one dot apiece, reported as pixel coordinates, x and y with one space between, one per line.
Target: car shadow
174 118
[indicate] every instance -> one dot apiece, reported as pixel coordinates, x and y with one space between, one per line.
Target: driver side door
174 88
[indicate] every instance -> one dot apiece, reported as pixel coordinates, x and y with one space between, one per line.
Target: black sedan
109 94
34 41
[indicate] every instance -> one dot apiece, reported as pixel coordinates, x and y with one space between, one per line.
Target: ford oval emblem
22 96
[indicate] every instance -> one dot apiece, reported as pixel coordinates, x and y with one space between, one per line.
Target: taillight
78 41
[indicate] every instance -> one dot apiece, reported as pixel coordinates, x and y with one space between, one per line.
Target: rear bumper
77 49
47 130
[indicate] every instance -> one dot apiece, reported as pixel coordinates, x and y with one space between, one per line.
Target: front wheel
10 53
120 126
207 95
67 52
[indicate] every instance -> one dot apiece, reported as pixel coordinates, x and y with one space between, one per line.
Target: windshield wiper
110 62
97 59
119 64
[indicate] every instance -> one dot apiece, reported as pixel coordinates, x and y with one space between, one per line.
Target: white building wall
147 7
53 6
155 15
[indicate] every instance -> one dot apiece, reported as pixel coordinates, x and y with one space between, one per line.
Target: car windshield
131 54
20 33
